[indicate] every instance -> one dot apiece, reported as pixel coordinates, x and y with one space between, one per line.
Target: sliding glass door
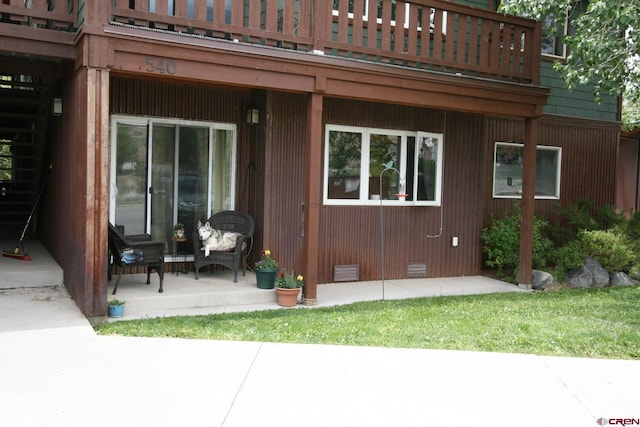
166 172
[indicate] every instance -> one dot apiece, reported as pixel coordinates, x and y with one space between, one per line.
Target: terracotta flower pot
287 297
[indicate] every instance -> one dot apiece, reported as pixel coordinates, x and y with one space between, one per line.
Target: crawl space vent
416 269
345 273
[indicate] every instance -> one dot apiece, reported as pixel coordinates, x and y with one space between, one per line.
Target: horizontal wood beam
37 42
167 56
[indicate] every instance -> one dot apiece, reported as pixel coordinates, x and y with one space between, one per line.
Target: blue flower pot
116 310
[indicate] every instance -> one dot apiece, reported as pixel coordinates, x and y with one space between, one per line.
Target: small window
552 43
366 166
507 171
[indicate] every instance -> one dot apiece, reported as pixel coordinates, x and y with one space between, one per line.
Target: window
507 171
552 44
364 166
552 40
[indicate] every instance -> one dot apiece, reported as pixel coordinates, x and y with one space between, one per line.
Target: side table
177 257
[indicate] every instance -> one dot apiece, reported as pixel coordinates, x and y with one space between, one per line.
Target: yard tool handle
35 204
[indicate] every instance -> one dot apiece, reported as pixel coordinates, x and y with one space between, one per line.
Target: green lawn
598 323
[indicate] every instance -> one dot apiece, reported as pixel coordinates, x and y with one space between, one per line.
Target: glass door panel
193 173
222 170
161 192
131 177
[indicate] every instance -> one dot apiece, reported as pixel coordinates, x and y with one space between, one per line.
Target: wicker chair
236 221
150 253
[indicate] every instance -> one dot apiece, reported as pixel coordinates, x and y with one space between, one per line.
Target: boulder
541 280
622 279
590 275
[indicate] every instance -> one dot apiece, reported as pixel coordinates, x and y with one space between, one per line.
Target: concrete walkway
56 371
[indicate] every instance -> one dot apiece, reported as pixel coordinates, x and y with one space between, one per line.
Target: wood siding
351 234
283 184
588 170
628 178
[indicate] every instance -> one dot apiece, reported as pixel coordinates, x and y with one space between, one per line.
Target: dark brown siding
628 178
168 99
588 171
283 185
351 235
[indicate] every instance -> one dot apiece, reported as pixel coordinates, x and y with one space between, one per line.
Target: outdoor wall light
56 106
253 116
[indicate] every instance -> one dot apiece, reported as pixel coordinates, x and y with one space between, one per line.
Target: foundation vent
416 269
345 273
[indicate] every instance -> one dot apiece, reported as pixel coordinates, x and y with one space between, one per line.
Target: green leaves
602 45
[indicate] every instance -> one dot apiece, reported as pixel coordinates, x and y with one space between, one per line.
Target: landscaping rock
622 279
590 275
541 281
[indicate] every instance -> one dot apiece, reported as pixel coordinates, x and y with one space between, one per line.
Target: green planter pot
266 278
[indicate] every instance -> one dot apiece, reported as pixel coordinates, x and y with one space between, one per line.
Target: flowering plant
289 281
266 262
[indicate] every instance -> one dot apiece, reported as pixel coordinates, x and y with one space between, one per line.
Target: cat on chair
215 240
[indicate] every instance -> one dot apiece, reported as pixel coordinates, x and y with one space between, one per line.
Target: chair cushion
131 256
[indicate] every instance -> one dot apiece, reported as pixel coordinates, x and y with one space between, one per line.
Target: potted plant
287 288
266 270
178 231
115 308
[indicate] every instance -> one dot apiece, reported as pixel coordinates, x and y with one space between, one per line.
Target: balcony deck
420 34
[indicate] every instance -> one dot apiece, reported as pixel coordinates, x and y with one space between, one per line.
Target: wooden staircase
24 112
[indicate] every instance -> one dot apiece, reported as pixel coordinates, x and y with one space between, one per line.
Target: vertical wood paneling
287 179
188 102
588 167
351 234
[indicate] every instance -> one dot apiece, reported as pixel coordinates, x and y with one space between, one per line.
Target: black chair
135 250
235 221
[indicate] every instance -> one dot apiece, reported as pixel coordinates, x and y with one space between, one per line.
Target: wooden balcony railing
424 34
61 15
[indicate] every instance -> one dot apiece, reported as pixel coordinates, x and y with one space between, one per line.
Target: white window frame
556 38
363 185
518 179
150 122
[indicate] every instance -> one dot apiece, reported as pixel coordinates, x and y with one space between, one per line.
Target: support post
312 197
528 203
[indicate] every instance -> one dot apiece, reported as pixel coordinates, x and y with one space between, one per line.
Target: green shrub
632 228
502 242
609 248
582 215
566 258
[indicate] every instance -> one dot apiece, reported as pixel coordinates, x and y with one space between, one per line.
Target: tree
603 44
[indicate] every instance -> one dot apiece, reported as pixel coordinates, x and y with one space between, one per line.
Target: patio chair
136 250
236 221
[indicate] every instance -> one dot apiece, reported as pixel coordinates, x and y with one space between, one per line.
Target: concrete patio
215 292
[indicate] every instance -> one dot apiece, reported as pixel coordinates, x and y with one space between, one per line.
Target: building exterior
311 115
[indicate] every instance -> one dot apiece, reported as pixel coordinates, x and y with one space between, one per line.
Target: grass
594 323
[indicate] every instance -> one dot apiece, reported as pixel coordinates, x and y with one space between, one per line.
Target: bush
502 242
609 248
568 257
582 215
632 228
